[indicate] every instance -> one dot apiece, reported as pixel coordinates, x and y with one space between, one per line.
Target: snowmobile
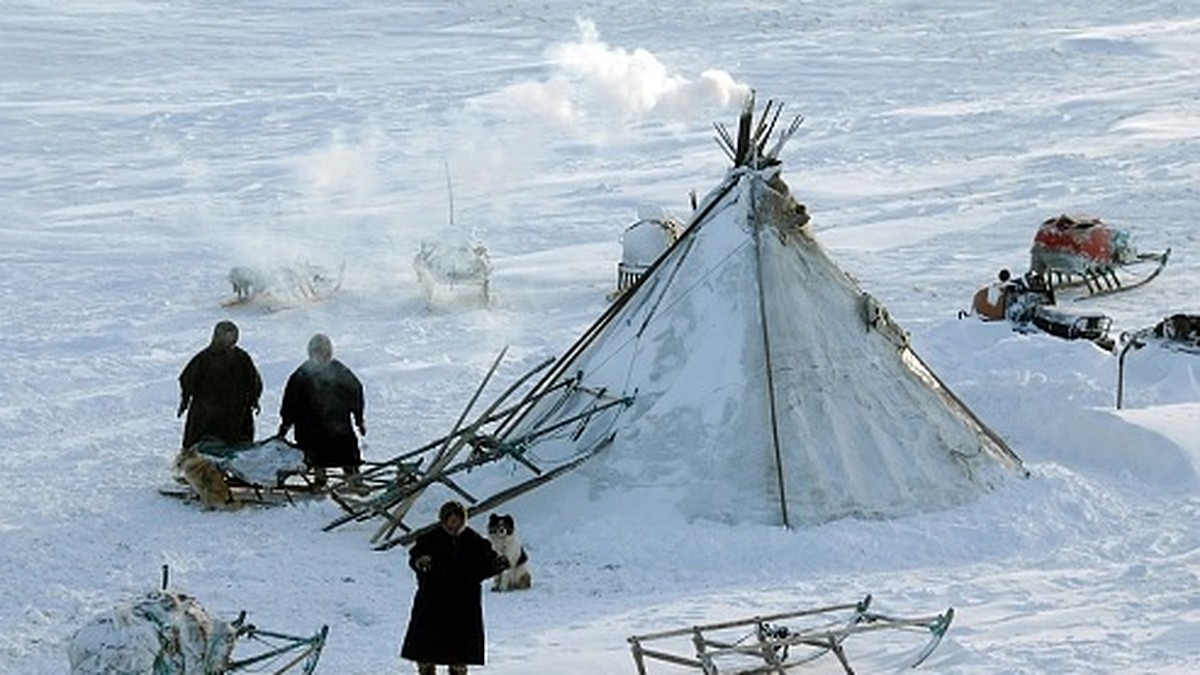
1178 333
1028 303
1082 252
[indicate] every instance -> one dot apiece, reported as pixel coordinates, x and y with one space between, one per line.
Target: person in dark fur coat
219 390
446 624
323 400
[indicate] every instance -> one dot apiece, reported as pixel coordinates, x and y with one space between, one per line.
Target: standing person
219 390
446 625
322 400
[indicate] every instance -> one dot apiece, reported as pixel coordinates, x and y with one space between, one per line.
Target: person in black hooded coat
322 400
446 625
219 390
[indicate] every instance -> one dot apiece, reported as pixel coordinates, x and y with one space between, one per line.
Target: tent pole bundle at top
746 372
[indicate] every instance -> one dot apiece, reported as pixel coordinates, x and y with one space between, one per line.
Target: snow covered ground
149 146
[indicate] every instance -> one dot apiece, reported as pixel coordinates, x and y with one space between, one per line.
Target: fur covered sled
163 633
1178 331
641 244
225 477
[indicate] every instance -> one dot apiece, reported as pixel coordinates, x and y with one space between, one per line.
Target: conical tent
757 379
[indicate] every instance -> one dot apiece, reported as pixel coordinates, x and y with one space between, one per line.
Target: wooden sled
253 495
766 644
1101 280
283 286
270 472
485 505
1077 252
280 652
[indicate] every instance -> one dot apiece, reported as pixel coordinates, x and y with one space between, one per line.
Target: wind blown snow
152 146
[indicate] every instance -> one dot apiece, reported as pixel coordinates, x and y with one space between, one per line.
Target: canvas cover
1076 244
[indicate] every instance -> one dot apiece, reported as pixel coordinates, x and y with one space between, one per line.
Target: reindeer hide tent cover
765 385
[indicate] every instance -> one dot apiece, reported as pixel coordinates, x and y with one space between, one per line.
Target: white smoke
595 85
591 96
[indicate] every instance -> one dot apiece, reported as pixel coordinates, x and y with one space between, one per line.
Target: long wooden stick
444 459
441 440
506 494
396 490
447 453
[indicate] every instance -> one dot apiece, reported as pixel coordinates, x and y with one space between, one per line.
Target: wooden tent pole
567 360
770 371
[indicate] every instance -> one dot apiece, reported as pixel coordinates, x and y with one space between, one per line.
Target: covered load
1085 252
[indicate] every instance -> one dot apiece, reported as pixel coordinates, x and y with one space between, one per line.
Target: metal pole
1132 344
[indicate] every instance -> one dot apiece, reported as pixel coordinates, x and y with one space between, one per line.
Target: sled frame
302 652
1100 281
771 645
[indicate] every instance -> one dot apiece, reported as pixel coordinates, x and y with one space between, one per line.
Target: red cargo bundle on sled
1082 251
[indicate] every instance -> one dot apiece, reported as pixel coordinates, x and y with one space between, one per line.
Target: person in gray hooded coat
323 400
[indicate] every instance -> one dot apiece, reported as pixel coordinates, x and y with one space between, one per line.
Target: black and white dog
502 532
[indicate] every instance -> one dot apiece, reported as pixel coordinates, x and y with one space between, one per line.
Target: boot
458 670
426 669
354 481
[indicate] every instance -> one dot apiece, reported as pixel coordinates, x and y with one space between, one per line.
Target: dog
205 478
502 532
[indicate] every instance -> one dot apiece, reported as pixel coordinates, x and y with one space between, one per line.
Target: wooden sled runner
766 644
